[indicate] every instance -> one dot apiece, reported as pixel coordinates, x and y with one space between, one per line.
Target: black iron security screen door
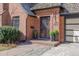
44 27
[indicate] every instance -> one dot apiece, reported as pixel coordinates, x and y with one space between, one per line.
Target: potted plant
54 35
35 34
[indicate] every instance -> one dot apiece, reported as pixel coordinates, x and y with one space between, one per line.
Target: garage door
72 29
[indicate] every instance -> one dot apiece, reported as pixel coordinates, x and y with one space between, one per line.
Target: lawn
6 46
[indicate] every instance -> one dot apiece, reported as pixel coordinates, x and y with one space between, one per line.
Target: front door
44 27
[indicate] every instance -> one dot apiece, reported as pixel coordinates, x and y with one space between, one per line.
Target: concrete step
44 42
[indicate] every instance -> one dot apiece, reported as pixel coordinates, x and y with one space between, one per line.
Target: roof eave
46 8
64 14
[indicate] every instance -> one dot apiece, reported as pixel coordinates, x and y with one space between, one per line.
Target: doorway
44 27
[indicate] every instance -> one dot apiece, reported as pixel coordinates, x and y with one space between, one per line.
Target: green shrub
9 34
54 34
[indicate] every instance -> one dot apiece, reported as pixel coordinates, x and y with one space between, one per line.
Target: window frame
15 21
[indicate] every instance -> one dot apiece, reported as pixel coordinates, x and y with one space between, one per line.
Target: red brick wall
46 12
61 28
5 14
32 21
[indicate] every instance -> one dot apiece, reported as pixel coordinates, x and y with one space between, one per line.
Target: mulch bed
6 46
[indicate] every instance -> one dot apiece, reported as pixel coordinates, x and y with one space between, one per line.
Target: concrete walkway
67 49
26 50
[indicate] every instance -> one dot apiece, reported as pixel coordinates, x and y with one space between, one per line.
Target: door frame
40 26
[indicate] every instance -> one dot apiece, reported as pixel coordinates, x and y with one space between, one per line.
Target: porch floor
45 42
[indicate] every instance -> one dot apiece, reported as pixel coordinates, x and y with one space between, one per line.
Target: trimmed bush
54 34
9 34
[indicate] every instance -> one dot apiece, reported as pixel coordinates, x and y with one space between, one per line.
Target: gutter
64 14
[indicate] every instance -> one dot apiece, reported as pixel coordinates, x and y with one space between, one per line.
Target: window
15 21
